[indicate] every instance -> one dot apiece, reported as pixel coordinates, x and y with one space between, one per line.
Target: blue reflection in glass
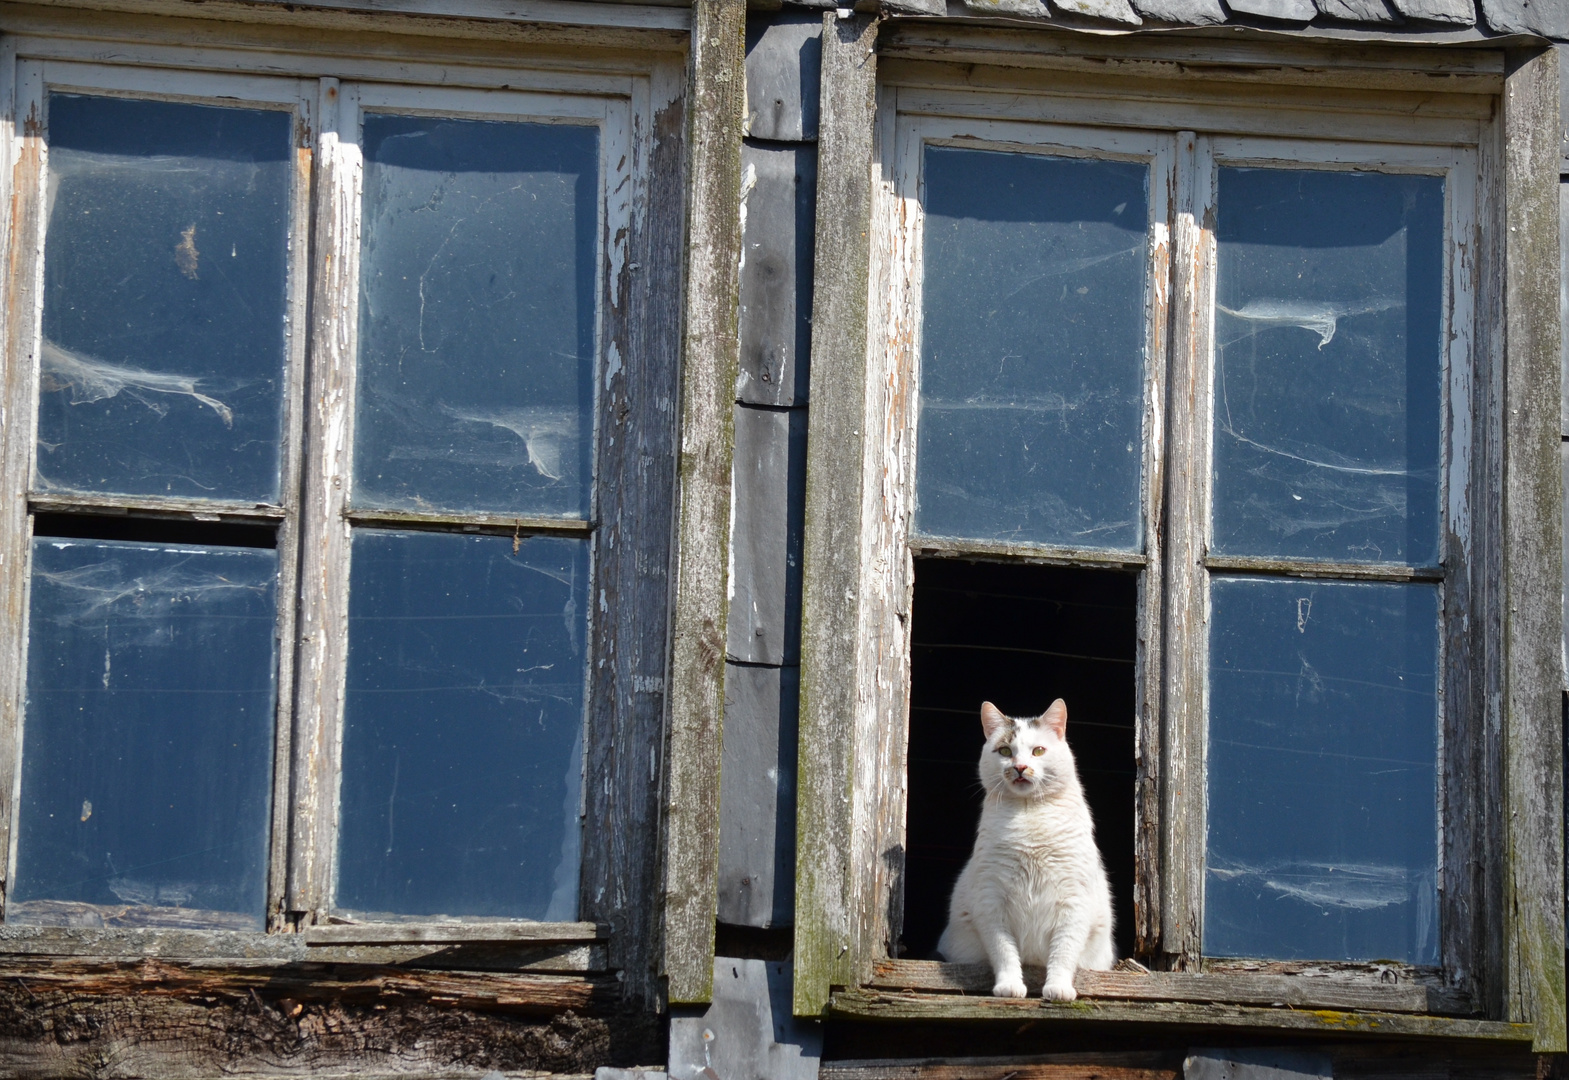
475 386
1323 751
162 364
463 726
1328 365
1032 349
148 739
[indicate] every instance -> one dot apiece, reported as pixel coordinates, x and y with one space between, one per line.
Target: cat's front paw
1059 991
1010 986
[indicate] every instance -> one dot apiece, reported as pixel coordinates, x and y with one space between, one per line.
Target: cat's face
1025 757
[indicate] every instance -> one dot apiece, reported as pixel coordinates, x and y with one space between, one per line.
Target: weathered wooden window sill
1377 1000
911 1005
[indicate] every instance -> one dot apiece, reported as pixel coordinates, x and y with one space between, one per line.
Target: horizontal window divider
144 506
110 944
1049 554
909 1006
1274 990
495 524
1311 569
397 933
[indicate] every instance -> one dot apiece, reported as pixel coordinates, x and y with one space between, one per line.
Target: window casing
1071 117
317 527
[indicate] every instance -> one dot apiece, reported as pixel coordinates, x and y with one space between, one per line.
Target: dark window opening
1018 636
155 530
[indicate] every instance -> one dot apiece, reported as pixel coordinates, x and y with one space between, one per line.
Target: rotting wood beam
361 984
711 347
1533 959
826 930
146 1020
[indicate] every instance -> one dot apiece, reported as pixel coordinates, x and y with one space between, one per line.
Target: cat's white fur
1034 890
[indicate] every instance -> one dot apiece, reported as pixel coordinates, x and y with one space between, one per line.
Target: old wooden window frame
1503 973
628 84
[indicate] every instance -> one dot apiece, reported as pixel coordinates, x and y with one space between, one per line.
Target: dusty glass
463 725
475 388
1323 750
165 258
148 736
1328 365
1032 349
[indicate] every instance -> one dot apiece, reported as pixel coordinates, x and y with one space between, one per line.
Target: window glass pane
162 364
463 727
1323 749
148 740
477 316
1032 349
1328 365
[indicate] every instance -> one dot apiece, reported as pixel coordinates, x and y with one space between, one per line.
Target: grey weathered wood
1563 109
1532 733
1297 990
915 7
1189 12
1284 10
288 536
1309 568
489 523
770 477
322 630
635 500
169 508
1179 864
1539 18
404 933
1563 283
1044 554
1456 12
1563 451
780 189
827 922
1362 11
710 350
21 231
1257 1064
1008 1013
783 67
757 797
1100 1065
747 1031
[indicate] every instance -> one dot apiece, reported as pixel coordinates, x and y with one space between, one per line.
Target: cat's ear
1056 718
991 719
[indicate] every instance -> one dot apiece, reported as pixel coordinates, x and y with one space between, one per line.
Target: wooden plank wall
763 650
710 340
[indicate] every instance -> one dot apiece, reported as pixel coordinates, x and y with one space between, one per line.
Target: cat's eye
1039 750
1005 750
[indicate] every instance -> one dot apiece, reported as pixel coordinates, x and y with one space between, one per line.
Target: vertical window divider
1187 485
1147 730
22 85
324 530
297 337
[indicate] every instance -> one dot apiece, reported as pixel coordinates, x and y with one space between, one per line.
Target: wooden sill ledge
919 1006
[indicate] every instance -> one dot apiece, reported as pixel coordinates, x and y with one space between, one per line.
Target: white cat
1034 890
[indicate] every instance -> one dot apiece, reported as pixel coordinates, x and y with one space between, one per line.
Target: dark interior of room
1019 636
